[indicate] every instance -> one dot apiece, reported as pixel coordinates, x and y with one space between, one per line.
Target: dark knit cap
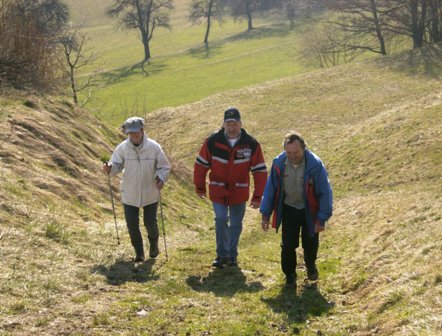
232 114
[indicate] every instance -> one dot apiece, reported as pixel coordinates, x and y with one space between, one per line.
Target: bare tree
144 15
75 57
245 8
323 47
298 9
413 17
435 18
409 18
362 21
6 35
290 9
28 29
205 9
382 19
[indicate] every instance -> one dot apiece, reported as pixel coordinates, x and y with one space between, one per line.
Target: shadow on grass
298 308
424 61
223 282
138 69
127 271
212 49
277 30
206 50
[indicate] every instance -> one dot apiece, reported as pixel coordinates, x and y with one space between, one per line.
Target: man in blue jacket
299 195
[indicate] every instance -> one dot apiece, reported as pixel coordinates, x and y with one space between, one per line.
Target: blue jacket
317 191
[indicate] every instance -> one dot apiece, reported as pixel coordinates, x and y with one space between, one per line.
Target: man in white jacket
145 170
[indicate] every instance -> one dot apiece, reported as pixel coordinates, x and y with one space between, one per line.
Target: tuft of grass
57 232
81 299
101 320
18 307
31 104
393 299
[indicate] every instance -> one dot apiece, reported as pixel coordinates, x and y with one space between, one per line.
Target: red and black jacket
229 178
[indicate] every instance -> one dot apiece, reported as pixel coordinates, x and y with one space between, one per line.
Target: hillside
376 124
57 234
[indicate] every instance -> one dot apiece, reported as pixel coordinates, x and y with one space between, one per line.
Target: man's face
295 152
136 137
233 128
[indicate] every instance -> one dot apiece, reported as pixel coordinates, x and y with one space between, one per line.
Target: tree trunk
209 17
291 14
435 13
249 17
146 49
378 27
422 22
418 22
73 88
145 38
144 29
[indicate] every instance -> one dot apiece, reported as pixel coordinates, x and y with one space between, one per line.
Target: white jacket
140 165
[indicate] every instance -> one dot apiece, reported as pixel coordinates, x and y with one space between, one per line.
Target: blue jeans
227 236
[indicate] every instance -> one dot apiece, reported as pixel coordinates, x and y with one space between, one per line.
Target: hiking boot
290 280
312 273
233 262
220 262
153 248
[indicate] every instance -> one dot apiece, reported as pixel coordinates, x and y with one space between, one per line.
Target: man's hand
107 166
318 226
159 183
254 204
265 223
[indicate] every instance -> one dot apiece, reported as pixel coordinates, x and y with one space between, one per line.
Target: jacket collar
141 145
311 160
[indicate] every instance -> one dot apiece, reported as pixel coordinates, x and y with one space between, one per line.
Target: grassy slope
57 235
377 126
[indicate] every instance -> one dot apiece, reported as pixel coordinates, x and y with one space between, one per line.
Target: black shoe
220 262
233 262
312 273
139 258
290 280
153 248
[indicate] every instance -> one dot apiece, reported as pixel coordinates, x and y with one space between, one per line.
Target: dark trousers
294 222
131 214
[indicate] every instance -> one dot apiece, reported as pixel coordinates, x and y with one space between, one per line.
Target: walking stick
164 231
113 207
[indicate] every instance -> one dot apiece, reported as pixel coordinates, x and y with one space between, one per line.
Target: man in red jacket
230 154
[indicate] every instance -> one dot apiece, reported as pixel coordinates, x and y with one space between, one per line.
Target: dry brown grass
380 135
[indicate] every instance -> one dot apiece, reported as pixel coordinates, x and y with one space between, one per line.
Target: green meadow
182 69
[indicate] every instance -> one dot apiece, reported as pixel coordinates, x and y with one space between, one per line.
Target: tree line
356 26
36 39
147 15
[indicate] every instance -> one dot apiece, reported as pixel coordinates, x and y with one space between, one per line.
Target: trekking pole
113 207
164 231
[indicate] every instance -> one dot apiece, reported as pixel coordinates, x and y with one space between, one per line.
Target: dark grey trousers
294 223
131 214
